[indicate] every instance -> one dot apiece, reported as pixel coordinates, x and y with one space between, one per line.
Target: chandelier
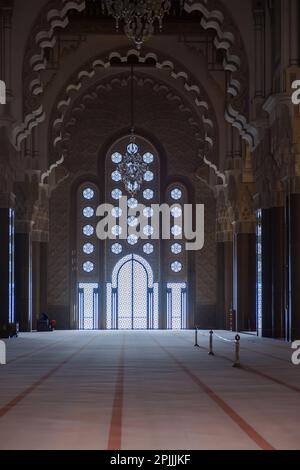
139 17
132 166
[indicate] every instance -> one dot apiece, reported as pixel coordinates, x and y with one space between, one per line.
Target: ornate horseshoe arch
214 17
203 126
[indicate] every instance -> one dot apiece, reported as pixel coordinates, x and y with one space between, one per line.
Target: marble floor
147 390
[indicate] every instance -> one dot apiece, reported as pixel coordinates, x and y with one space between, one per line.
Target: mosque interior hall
149 225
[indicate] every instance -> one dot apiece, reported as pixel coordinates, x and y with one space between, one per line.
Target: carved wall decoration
165 93
228 39
213 19
42 38
206 120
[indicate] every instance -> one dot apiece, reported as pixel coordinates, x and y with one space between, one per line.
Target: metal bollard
237 362
196 337
211 349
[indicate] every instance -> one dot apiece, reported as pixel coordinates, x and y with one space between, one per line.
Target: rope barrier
236 342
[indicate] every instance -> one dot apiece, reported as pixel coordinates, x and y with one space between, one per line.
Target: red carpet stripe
252 370
246 427
15 401
115 432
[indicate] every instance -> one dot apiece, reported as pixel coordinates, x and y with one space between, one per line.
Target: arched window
87 250
141 274
133 296
177 260
133 262
148 194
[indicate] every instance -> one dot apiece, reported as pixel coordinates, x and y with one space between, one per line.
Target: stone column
294 267
7 312
278 272
39 279
266 240
224 284
273 272
23 270
244 276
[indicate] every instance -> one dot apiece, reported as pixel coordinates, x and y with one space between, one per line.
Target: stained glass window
176 194
148 212
132 296
116 194
148 176
88 248
176 212
178 255
88 193
88 230
148 194
176 267
87 251
88 212
11 285
148 248
176 231
87 254
148 158
132 239
116 176
132 203
133 221
176 306
148 230
88 266
117 248
259 283
88 306
116 212
176 248
116 230
116 158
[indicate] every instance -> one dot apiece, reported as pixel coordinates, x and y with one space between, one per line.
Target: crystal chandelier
139 17
132 166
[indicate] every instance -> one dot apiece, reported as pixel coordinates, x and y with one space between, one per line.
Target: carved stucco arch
205 123
89 71
77 106
213 18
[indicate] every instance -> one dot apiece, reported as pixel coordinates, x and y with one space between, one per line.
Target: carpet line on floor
252 370
241 422
21 396
115 431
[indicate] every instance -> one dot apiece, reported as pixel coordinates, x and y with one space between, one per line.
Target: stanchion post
211 348
196 337
237 362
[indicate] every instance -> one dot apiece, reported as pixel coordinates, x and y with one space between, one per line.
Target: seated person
44 323
44 317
